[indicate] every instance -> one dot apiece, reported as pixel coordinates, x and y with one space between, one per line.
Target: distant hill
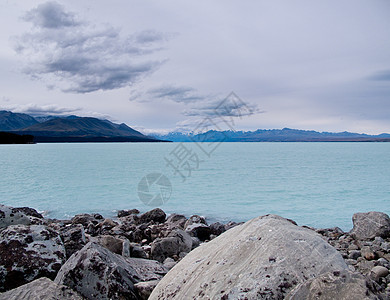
14 121
11 138
76 129
69 129
274 135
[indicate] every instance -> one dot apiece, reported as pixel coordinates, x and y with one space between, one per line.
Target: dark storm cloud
82 58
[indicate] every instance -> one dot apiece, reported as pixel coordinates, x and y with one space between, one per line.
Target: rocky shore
155 256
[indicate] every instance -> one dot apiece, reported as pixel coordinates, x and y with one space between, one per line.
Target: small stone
367 253
144 289
353 247
383 262
354 254
378 272
127 212
378 240
351 262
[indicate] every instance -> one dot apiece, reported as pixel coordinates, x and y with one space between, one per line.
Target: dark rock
42 289
217 228
27 211
111 243
84 219
177 241
199 230
27 253
20 215
156 215
73 237
370 225
97 273
354 254
335 285
176 220
137 251
98 216
127 212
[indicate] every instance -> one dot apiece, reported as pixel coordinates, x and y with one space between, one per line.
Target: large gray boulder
337 285
265 258
18 215
42 289
370 225
177 241
27 253
97 273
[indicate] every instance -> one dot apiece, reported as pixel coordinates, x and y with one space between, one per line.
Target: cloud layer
80 57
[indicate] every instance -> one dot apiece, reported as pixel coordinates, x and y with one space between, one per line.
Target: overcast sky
166 65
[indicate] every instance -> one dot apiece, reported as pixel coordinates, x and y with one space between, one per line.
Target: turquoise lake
315 184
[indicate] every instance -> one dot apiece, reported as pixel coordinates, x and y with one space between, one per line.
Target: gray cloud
179 94
80 58
51 15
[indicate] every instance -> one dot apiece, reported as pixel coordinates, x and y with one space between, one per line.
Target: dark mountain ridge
14 121
70 129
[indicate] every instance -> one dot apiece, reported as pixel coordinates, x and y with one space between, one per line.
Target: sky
163 66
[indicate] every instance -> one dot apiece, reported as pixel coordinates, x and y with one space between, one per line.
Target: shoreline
156 242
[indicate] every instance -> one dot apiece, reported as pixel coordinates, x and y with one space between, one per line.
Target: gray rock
27 253
176 242
169 263
378 272
19 216
370 225
97 273
144 289
335 285
195 219
263 258
354 254
41 289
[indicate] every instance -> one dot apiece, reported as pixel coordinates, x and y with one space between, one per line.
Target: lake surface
315 184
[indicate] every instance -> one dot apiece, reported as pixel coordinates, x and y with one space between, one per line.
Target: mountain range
70 129
88 129
274 135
